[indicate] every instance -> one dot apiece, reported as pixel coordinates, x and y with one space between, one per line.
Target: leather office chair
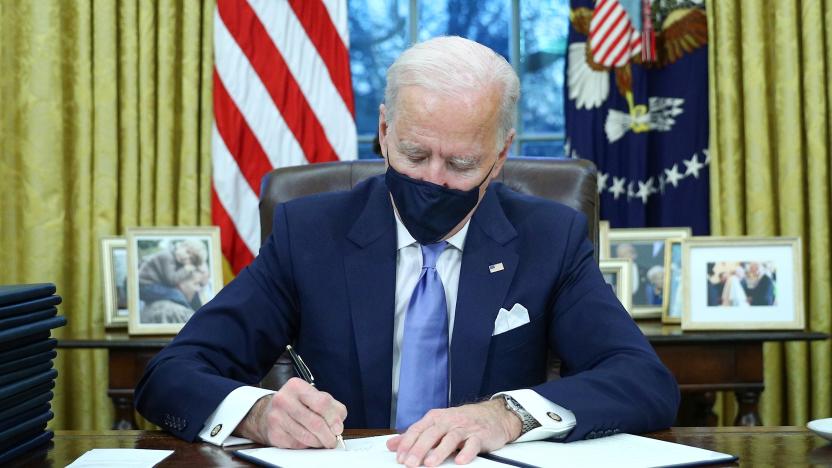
572 182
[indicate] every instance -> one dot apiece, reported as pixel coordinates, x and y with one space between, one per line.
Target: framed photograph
114 277
673 298
603 239
171 272
645 247
742 283
617 274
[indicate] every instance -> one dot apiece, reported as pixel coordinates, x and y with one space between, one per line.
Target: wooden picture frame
617 274
603 239
673 300
171 273
743 283
645 247
113 253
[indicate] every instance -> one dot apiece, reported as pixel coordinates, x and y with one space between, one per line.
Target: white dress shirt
222 422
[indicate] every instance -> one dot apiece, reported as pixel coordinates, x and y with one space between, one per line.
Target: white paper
367 452
620 450
129 458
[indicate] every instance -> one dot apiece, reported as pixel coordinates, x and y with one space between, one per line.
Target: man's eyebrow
412 149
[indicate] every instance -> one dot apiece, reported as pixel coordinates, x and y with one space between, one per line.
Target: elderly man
424 300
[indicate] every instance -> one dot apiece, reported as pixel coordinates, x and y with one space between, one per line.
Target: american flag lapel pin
495 267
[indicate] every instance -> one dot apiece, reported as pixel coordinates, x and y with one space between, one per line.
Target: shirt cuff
222 422
555 421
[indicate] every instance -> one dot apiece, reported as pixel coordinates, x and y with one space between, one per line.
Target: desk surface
771 446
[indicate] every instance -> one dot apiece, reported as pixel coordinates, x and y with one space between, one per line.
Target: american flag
282 97
613 38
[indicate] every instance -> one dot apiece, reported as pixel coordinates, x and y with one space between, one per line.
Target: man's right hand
297 416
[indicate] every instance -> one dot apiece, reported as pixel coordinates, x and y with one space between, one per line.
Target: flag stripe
234 193
339 14
253 101
232 245
314 17
238 138
270 67
311 74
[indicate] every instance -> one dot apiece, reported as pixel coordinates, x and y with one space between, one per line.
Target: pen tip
288 347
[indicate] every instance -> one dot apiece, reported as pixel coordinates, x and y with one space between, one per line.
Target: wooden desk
759 446
703 363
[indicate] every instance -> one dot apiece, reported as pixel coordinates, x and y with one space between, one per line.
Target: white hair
452 65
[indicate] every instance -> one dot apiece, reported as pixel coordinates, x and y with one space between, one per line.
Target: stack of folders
28 313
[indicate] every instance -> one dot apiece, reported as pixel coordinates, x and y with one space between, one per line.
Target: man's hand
471 428
297 416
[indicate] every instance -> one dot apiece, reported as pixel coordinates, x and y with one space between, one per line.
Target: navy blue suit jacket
325 280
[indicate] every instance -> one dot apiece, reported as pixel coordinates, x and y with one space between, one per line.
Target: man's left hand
474 428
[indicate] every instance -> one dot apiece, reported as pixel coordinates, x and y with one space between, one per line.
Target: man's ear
503 154
382 130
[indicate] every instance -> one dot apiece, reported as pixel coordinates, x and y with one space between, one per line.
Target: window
531 34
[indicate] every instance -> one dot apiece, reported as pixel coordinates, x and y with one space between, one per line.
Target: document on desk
130 458
367 452
621 451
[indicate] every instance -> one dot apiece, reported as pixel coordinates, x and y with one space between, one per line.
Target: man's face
445 141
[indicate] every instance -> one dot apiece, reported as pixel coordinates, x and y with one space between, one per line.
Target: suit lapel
481 294
370 264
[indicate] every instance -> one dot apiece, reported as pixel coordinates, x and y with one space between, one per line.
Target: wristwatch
526 419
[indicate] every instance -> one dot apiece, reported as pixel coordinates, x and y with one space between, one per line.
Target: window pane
378 34
551 148
365 151
543 31
484 21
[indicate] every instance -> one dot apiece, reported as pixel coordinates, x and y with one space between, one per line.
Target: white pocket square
510 319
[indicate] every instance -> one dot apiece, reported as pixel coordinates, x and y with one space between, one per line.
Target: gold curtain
770 67
106 123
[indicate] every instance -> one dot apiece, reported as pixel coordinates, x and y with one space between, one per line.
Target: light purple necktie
423 375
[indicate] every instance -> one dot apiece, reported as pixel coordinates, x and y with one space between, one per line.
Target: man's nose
436 173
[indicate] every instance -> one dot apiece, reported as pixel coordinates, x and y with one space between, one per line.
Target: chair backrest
572 182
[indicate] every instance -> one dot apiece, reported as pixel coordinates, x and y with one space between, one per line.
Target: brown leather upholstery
568 181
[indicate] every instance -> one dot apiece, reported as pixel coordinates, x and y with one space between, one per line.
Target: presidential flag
636 99
282 97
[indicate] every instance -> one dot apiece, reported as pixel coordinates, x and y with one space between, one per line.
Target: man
352 280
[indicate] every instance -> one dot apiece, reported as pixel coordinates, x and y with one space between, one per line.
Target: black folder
26 362
23 341
25 395
26 445
16 293
25 416
29 317
7 391
22 374
29 306
28 350
26 405
32 328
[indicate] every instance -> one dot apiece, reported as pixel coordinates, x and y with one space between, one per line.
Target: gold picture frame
620 270
172 271
673 299
603 239
113 252
645 247
743 283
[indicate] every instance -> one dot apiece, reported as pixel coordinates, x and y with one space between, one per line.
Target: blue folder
25 416
22 396
29 317
16 293
26 445
26 362
27 404
18 343
22 374
8 391
32 328
24 428
29 349
29 306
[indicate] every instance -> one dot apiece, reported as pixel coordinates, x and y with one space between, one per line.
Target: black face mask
427 210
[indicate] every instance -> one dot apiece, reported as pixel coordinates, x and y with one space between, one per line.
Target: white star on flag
645 189
693 166
673 175
617 188
602 181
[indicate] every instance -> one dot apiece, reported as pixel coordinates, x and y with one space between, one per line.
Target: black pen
304 373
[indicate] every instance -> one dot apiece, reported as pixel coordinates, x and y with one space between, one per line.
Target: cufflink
216 430
554 416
